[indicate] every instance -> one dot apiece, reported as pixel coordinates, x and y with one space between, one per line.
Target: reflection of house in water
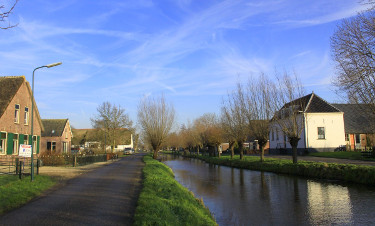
327 202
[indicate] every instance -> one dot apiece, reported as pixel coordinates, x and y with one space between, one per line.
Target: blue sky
192 51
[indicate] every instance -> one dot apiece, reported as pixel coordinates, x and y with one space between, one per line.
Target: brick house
359 126
56 137
15 115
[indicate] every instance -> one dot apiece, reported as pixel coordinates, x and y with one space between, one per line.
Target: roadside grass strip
320 170
342 155
15 192
163 201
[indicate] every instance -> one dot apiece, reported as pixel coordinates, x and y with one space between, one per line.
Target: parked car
128 151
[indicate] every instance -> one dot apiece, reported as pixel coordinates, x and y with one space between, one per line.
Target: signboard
25 150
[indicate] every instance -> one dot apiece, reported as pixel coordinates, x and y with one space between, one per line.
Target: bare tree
259 112
4 15
111 119
156 119
210 132
288 99
353 48
234 120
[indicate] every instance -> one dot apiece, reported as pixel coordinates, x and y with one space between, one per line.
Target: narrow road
104 196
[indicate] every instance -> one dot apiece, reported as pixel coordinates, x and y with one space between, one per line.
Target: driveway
104 196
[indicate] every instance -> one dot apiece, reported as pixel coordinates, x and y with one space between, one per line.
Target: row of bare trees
246 113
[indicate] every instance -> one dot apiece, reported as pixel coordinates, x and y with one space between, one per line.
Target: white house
122 147
322 131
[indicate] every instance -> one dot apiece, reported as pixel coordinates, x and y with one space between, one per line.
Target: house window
15 144
51 146
34 145
358 138
346 137
321 133
17 113
273 135
26 139
65 147
26 116
66 134
3 142
277 134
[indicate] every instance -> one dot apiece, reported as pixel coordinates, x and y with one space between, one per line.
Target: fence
16 165
61 160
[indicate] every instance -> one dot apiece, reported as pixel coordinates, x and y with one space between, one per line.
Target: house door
358 141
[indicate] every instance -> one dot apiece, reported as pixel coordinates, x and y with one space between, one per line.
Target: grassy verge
332 171
163 201
342 155
15 192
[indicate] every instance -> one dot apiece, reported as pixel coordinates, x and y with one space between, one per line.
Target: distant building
57 136
359 125
15 116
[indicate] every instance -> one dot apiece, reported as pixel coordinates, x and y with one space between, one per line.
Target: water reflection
244 197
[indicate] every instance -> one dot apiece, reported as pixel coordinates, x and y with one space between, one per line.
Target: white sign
25 150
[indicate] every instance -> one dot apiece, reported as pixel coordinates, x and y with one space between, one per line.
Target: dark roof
312 103
9 86
358 118
53 127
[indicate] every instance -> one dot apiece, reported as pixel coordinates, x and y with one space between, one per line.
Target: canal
245 197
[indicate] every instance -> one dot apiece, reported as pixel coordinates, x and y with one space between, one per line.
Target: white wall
281 141
334 132
334 129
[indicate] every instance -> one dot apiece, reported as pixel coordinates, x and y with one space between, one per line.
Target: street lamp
32 116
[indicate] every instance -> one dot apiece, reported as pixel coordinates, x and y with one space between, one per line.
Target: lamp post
32 116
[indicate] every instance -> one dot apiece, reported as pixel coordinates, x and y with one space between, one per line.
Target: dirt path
104 196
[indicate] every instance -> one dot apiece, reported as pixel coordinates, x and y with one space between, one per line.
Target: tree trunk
232 152
155 156
198 150
218 151
261 153
240 146
294 143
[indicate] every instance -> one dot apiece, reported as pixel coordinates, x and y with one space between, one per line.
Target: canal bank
245 197
362 174
163 201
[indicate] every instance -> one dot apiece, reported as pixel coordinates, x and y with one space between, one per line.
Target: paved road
321 159
104 196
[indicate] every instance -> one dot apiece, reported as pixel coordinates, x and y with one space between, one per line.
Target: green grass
342 155
163 201
15 192
332 171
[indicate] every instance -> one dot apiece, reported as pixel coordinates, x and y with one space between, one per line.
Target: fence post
74 160
20 169
17 166
37 166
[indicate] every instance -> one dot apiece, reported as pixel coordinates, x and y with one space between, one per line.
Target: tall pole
32 118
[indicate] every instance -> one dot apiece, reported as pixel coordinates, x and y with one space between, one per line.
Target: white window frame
34 146
16 113
16 143
26 119
321 136
65 147
25 139
3 143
